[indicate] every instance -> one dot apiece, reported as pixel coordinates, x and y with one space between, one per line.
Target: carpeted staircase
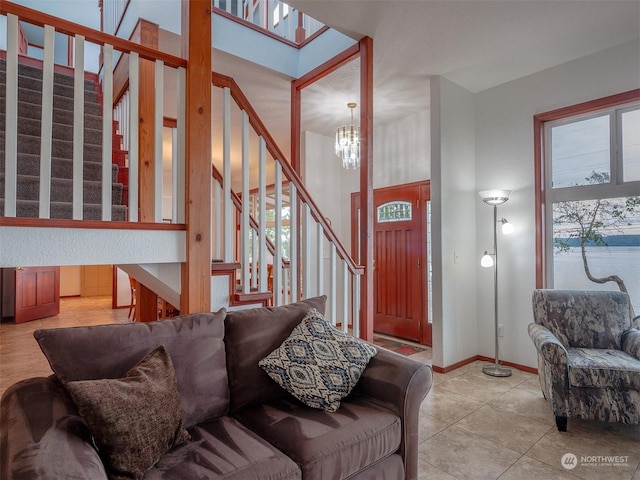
29 114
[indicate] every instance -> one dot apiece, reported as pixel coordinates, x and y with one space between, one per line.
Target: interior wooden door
398 285
37 293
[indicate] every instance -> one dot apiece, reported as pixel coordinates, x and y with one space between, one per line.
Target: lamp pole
496 370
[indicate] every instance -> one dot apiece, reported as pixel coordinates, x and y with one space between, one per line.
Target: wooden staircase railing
305 277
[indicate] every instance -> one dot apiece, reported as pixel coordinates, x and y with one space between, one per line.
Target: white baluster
345 296
158 120
277 260
262 214
307 252
245 228
46 124
107 126
293 241
181 147
320 259
229 224
356 306
11 119
332 283
78 128
134 94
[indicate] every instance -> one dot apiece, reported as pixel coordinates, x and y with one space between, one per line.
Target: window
397 211
588 196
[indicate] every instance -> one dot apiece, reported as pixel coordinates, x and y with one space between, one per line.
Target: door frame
424 189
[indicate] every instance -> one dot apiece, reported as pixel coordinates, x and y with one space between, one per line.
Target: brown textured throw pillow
135 419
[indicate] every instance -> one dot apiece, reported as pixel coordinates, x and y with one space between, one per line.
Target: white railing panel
293 20
262 213
320 259
356 306
332 283
107 126
245 228
157 147
294 272
46 124
11 119
174 176
345 296
134 95
308 221
180 191
254 256
78 128
229 223
278 284
286 281
217 224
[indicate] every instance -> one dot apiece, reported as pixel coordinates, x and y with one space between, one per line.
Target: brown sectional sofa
243 425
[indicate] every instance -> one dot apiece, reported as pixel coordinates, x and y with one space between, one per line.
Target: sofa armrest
398 384
631 342
548 344
42 435
553 368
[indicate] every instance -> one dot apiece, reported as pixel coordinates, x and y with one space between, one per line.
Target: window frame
545 195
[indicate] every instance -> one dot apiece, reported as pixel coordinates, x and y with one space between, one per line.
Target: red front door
400 255
37 293
398 296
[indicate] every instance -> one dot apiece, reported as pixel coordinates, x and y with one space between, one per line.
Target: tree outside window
592 196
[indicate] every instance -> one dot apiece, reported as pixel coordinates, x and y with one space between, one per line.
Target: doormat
397 346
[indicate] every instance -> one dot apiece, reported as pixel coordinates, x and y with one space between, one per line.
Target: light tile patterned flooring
471 426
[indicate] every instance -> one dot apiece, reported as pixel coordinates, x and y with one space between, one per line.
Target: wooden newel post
196 48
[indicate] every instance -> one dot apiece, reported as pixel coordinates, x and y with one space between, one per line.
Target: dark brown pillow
135 419
194 342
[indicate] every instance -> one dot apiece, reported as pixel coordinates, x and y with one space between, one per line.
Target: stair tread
64 210
61 131
29 103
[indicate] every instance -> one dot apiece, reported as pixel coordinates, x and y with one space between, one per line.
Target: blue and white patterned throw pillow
318 364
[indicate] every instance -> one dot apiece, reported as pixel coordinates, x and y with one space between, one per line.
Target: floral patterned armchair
588 355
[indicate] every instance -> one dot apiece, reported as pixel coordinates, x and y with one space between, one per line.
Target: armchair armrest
398 384
631 342
547 344
43 436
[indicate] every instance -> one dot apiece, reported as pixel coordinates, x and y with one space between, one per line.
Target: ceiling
477 44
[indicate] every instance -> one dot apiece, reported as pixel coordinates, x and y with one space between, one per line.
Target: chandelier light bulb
348 142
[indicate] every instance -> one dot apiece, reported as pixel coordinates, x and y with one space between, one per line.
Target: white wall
330 186
453 199
504 159
401 151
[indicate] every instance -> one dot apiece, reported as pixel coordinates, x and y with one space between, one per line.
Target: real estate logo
569 461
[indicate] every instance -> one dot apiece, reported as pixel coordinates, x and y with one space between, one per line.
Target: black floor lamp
495 198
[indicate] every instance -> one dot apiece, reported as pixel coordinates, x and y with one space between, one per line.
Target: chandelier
348 142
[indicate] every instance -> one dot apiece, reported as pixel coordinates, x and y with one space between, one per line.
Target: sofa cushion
599 368
136 419
327 445
194 342
224 449
252 334
317 363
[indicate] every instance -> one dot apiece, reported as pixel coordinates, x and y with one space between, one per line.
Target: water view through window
595 231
